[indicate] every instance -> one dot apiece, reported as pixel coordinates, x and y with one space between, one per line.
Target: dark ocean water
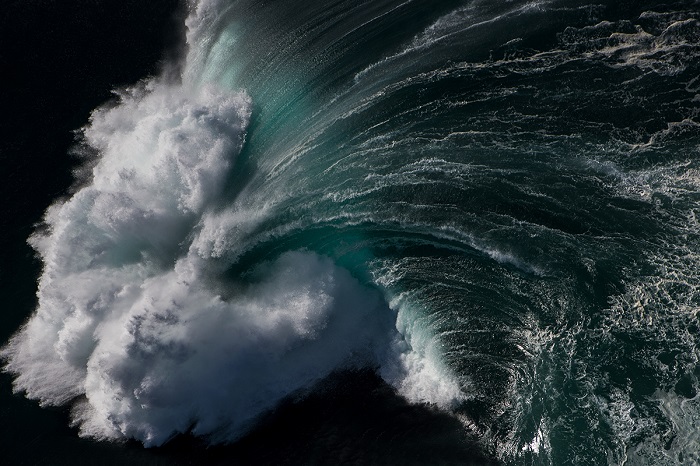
358 232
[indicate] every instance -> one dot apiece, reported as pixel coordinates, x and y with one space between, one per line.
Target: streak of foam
661 49
457 22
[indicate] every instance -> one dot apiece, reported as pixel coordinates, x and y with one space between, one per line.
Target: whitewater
492 205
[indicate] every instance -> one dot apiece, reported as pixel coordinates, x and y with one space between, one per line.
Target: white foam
128 315
180 356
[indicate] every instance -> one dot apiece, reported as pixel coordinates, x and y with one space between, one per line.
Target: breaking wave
492 204
135 324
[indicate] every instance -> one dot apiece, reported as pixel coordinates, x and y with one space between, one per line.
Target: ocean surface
386 232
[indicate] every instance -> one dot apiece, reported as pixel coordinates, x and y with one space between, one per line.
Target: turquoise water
492 205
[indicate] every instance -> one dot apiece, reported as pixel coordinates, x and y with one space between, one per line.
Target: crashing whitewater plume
131 319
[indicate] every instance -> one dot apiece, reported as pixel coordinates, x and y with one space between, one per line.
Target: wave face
492 204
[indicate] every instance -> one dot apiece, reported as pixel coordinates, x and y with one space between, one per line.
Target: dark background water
59 61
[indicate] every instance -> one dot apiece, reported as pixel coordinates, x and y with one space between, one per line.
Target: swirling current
491 204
